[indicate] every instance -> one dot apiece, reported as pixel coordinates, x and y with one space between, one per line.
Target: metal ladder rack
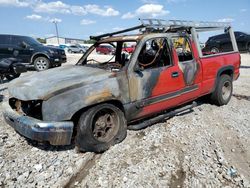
159 24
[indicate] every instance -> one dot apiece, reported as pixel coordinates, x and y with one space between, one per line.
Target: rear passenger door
189 66
6 50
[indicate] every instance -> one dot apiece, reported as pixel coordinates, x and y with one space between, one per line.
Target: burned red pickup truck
94 102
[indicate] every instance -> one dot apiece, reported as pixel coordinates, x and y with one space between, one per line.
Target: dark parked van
31 52
222 43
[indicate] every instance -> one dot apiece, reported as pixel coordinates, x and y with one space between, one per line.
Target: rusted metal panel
122 38
34 87
71 101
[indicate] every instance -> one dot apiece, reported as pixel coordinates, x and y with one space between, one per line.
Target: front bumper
56 133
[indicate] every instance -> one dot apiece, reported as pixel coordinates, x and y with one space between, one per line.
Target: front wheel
223 91
41 63
100 127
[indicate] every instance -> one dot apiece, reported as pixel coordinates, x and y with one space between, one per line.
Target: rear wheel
223 91
12 76
215 50
41 63
101 127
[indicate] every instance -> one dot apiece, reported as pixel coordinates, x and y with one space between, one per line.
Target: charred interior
31 108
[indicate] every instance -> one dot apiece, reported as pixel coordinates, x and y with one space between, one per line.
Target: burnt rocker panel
136 106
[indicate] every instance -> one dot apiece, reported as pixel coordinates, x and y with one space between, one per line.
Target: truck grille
31 108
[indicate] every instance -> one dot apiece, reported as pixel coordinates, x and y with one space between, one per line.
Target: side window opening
183 49
186 60
111 55
17 41
155 53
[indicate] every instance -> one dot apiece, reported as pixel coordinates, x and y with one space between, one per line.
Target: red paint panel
211 66
166 83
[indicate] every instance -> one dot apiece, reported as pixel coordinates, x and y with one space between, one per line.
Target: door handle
175 74
10 49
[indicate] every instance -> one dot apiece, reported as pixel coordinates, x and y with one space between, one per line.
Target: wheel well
228 72
38 55
77 115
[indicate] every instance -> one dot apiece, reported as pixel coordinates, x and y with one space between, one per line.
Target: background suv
31 52
222 43
75 49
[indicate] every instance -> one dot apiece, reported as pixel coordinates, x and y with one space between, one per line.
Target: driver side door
156 86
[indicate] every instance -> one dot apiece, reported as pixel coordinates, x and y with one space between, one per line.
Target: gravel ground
209 147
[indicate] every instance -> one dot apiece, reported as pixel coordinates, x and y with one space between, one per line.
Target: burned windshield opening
110 55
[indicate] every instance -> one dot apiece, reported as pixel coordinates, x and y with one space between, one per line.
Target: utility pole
55 22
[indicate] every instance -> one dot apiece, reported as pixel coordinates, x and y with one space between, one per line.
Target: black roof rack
158 25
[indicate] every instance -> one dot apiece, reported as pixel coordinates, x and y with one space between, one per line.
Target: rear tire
223 91
215 50
100 127
12 76
41 63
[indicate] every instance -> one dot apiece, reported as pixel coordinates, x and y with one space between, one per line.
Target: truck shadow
245 67
47 147
240 97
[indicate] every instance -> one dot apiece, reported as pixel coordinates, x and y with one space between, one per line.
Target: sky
80 19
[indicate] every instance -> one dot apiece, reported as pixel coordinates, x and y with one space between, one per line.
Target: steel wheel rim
215 50
226 90
105 125
41 64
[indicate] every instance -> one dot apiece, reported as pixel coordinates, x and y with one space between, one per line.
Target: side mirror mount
24 45
138 70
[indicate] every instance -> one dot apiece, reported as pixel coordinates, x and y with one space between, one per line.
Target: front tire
100 127
41 63
223 91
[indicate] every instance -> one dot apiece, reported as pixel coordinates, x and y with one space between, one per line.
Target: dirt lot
209 147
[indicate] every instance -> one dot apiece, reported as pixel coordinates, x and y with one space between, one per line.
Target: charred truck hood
43 85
